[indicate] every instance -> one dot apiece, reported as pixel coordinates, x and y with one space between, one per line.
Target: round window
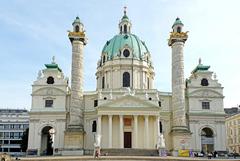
50 80
204 82
126 53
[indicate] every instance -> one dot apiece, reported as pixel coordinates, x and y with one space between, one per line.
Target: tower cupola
177 26
125 24
77 25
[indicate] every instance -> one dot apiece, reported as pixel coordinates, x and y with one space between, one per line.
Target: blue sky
31 32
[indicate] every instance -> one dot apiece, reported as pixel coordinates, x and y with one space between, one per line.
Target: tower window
77 29
150 98
159 103
125 29
126 53
126 79
104 59
95 103
50 80
103 82
179 29
148 83
94 126
160 127
48 103
204 82
206 105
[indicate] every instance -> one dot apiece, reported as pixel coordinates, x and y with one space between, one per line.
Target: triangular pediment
129 102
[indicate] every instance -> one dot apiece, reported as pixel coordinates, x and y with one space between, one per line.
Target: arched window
50 80
160 127
148 83
126 79
204 82
125 28
103 82
94 126
77 28
104 59
126 53
179 29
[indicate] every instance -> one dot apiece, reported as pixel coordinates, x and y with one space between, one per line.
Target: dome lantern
125 25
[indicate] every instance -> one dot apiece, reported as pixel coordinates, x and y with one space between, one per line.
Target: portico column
121 130
135 131
99 128
110 131
146 144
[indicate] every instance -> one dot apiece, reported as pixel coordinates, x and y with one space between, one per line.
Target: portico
128 129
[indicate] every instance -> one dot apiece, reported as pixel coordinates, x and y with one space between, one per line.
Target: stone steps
129 152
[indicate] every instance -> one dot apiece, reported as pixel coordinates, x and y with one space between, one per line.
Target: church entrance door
47 139
127 140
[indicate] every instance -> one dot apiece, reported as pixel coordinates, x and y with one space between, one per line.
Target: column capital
135 116
110 116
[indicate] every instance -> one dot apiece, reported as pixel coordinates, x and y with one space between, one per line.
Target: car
233 154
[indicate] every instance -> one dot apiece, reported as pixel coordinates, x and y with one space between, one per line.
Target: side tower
75 131
47 117
180 130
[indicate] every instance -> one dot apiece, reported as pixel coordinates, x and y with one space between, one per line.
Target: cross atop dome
125 10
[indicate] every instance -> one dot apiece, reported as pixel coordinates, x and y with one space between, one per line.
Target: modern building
233 130
126 110
13 122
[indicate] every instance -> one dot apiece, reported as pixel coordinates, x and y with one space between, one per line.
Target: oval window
126 53
204 82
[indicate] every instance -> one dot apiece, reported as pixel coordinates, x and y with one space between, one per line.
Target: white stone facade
128 116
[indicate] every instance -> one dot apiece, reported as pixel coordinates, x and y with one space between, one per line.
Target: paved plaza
116 158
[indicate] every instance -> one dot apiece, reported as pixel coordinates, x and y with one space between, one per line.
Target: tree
24 141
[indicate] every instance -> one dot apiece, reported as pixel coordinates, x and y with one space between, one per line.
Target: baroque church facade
125 110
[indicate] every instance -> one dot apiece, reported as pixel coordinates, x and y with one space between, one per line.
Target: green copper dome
114 46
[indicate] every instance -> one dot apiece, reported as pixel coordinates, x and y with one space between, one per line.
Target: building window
148 83
126 53
126 79
94 126
125 29
159 103
50 80
6 135
48 103
204 82
77 28
206 105
160 127
104 59
95 103
179 29
150 98
103 82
